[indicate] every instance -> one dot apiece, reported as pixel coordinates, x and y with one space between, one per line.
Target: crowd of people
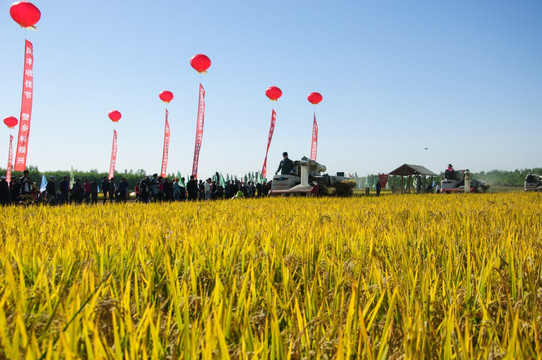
149 189
156 189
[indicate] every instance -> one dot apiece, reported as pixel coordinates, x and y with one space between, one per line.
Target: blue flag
43 183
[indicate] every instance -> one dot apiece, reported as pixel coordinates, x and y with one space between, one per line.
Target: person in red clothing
88 190
449 172
315 188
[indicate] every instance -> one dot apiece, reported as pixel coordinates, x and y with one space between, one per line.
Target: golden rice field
431 276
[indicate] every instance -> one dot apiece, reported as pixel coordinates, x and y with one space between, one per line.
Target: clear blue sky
462 78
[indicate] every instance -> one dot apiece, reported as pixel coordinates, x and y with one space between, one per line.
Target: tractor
454 181
533 182
307 178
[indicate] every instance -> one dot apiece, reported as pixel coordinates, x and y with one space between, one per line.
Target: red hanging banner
314 144
383 180
113 156
10 159
199 130
26 108
269 137
166 148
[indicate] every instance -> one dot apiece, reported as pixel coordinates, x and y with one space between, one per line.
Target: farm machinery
307 177
460 181
533 182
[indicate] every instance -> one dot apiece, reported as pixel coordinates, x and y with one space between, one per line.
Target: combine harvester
460 181
306 179
533 182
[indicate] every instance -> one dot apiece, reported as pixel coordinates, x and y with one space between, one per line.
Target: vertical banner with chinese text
166 148
10 159
199 130
26 108
314 144
269 137
113 156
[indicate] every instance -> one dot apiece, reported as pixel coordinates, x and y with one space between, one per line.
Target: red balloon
314 98
166 96
200 63
11 122
24 13
115 115
273 93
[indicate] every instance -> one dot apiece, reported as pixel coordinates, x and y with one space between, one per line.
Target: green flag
222 182
181 182
72 178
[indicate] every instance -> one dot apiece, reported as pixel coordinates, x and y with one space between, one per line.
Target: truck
308 177
454 181
533 182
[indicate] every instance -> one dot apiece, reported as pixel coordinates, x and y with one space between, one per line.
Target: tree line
505 178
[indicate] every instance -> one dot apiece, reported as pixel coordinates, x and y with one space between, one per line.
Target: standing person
145 189
192 188
244 189
207 189
14 189
251 189
26 183
215 186
259 188
105 187
265 188
160 188
201 192
155 188
51 190
168 190
286 165
112 190
315 188
64 190
182 191
176 189
77 192
378 188
87 189
123 188
4 191
229 189
94 191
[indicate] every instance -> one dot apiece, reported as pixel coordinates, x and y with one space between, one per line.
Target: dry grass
435 276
